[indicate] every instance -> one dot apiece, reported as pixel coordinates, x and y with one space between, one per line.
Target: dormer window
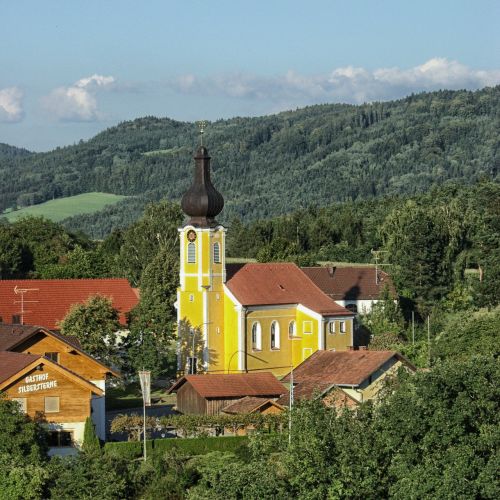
191 253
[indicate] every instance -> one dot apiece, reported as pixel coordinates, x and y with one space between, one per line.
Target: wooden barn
210 394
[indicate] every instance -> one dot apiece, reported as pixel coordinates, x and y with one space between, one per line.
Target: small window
57 439
191 253
256 336
292 329
53 356
275 335
331 327
16 319
216 253
23 404
51 404
352 307
307 326
342 327
192 363
191 298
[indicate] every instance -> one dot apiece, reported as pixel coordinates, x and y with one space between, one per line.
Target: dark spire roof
202 202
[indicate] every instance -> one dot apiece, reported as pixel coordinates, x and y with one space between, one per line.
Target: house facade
51 394
344 378
252 317
66 353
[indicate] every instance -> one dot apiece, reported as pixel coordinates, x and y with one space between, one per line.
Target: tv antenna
376 254
22 292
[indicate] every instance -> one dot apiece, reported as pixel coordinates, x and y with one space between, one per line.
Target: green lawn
121 398
61 208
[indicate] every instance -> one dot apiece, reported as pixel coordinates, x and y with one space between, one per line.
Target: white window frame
292 329
275 331
256 336
332 328
307 327
53 398
342 327
216 250
191 253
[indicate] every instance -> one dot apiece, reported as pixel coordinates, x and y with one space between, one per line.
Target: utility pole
290 405
413 327
429 341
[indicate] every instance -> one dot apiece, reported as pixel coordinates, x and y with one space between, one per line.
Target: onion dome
202 202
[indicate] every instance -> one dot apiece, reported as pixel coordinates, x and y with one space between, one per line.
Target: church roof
351 283
202 202
279 284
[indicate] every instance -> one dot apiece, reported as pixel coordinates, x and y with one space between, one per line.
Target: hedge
191 446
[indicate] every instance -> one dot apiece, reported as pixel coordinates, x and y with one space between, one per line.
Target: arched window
292 329
275 335
256 336
191 253
216 253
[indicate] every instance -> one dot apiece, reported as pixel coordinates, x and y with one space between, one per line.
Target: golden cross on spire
201 125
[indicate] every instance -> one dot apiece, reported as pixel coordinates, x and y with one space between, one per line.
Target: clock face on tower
191 235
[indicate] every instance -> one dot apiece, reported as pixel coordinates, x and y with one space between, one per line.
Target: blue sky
69 69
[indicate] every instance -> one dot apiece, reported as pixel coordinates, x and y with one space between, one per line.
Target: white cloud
11 105
345 84
77 102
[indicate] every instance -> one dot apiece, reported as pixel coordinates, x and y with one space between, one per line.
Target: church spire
202 202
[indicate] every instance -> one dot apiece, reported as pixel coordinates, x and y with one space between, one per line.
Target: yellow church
248 317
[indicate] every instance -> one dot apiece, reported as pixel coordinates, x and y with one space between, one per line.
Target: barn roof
278 284
48 301
232 385
249 404
350 283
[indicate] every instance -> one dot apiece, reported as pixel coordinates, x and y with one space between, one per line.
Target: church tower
200 297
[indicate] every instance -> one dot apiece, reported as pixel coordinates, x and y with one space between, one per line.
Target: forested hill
8 152
274 164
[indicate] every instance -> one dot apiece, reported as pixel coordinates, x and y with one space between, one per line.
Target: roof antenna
22 291
201 125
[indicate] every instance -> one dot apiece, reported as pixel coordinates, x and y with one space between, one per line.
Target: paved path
151 411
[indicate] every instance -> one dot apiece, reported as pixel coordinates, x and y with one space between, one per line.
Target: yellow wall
203 301
338 341
200 295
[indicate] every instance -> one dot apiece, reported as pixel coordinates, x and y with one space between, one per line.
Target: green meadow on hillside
61 208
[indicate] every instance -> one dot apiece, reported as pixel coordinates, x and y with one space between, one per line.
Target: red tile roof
13 362
350 283
48 301
343 368
280 283
12 335
233 385
249 404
